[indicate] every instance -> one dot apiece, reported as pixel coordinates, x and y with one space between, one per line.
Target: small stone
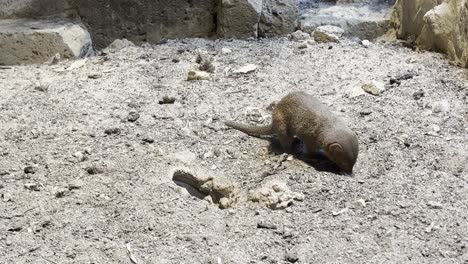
112 131
30 170
3 173
436 128
373 87
167 100
441 106
300 36
198 76
434 205
327 33
418 95
93 170
303 45
88 150
32 187
360 203
337 213
365 112
265 225
225 51
366 43
394 81
41 87
59 193
175 60
75 184
292 257
224 203
94 76
246 69
148 140
133 116
79 156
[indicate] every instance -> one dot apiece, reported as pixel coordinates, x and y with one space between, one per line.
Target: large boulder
25 41
435 25
239 18
279 17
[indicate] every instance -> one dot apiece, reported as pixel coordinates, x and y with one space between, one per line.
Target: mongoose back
300 115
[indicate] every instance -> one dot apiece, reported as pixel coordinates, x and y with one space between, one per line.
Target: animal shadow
317 160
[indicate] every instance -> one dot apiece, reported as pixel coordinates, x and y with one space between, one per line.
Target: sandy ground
70 193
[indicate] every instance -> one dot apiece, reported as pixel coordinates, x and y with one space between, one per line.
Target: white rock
246 69
197 76
324 34
303 45
300 36
118 44
225 51
365 43
373 87
441 106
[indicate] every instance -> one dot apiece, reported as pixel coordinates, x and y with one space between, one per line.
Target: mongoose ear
335 148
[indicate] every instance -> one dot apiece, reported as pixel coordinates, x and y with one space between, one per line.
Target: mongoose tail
251 130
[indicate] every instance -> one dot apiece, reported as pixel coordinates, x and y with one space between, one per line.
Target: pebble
32 187
94 170
133 116
148 140
440 106
265 225
436 128
327 33
59 193
30 170
373 87
246 69
299 35
292 257
366 43
79 155
167 100
225 51
337 213
303 45
198 76
434 205
418 95
75 184
360 203
94 76
41 87
113 131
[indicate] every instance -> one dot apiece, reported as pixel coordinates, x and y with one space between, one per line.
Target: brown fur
300 115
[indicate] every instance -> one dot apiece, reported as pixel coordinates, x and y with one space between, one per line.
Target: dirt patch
406 203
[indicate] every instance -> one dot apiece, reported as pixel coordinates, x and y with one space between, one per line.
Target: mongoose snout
300 115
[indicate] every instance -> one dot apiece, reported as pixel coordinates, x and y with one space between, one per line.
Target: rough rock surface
239 18
411 175
36 41
435 25
279 17
147 20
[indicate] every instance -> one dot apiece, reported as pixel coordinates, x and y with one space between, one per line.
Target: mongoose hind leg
286 140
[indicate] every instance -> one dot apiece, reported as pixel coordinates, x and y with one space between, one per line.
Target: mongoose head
344 152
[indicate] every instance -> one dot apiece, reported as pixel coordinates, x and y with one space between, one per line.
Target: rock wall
435 25
147 20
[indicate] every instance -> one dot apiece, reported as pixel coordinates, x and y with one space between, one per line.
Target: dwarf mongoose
300 115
